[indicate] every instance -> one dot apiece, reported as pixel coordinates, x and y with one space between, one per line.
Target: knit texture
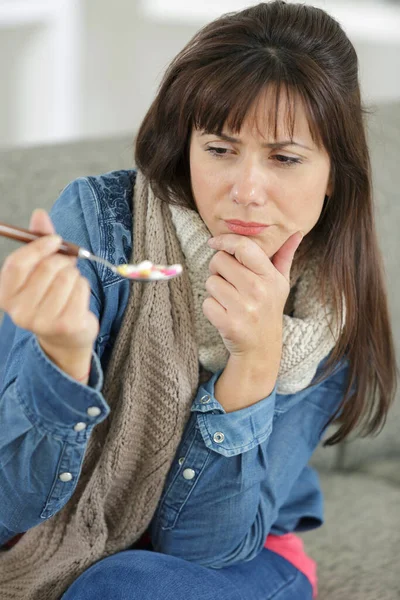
308 336
150 383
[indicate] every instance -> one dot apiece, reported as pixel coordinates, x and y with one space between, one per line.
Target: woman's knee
113 577
145 575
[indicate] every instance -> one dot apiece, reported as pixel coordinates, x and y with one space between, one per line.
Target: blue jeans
149 575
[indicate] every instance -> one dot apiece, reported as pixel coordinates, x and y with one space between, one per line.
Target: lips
245 228
246 223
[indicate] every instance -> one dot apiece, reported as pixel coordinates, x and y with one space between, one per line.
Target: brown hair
214 81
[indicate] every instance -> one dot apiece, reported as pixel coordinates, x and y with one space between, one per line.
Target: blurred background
83 69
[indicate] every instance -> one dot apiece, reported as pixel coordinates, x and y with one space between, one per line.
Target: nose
249 186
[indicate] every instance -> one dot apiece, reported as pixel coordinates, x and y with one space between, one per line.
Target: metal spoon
144 271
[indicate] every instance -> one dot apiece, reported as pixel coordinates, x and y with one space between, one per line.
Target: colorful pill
146 270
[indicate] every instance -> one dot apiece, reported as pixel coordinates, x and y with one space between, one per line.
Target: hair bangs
221 103
279 110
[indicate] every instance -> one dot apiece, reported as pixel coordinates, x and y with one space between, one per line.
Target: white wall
39 50
125 55
95 70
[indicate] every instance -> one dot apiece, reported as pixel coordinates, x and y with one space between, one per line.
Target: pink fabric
291 547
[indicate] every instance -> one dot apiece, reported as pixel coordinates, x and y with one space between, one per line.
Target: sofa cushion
357 548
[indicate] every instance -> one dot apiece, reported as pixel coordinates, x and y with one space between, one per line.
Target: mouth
245 228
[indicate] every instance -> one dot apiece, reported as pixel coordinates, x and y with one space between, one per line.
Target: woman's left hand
248 293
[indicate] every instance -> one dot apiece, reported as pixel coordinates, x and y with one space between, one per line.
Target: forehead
277 114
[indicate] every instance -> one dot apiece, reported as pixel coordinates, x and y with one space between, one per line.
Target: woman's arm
45 421
238 469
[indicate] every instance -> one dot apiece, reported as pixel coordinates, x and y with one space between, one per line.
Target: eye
217 151
287 161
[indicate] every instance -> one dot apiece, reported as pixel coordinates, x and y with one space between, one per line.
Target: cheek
198 172
311 212
204 181
303 208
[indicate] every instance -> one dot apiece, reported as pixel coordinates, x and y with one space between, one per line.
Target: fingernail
212 242
54 240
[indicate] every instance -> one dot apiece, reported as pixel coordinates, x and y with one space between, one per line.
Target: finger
215 313
25 304
223 292
54 301
77 307
232 270
40 222
283 259
18 266
246 251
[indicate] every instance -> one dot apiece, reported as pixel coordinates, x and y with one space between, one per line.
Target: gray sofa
358 548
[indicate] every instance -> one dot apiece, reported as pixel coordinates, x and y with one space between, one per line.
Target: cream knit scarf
307 338
149 385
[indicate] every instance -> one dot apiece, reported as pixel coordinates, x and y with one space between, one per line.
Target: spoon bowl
144 271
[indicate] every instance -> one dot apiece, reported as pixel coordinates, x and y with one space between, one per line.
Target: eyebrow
273 145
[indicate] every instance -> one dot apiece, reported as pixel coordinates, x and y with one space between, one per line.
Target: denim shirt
236 476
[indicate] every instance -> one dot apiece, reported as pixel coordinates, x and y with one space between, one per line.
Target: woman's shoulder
113 193
96 212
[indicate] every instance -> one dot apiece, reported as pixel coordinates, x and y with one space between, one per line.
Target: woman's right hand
44 292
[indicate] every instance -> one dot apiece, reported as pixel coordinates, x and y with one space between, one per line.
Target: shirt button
188 473
181 460
218 437
65 477
80 426
205 399
93 411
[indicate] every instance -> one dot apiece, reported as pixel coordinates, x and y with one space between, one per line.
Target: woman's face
253 178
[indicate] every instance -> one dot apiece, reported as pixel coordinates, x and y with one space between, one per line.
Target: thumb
282 260
40 222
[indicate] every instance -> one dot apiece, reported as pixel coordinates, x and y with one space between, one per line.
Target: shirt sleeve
234 432
46 416
217 508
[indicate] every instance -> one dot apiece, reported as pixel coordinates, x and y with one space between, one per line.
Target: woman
184 474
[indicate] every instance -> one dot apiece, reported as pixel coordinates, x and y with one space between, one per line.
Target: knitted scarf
150 383
307 337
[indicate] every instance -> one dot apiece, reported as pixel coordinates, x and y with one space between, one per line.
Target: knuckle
45 268
207 302
65 275
251 309
216 259
20 317
63 327
207 306
257 289
8 262
12 263
59 261
232 331
35 250
210 283
40 323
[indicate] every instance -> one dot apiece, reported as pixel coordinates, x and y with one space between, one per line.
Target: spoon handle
25 235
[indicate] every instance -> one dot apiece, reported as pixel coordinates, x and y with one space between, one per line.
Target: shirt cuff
235 432
55 402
